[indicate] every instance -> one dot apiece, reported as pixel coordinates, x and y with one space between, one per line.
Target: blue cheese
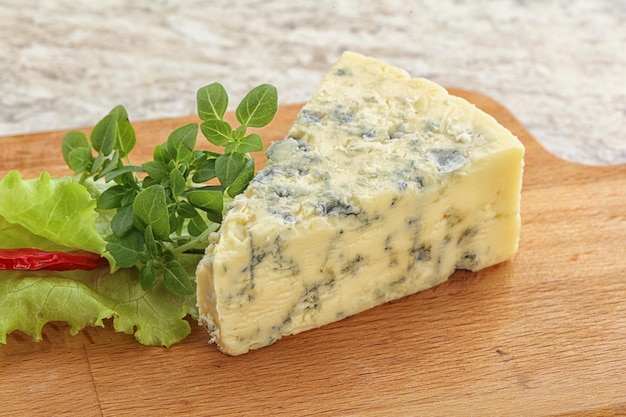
384 186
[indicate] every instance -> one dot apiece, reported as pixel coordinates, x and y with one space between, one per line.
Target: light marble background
559 66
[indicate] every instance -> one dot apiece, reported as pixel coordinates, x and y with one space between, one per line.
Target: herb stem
193 243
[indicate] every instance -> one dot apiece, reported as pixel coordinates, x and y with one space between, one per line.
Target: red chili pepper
34 259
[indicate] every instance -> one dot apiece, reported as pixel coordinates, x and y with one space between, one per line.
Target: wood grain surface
542 335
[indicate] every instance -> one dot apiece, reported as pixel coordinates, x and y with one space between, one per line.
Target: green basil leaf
214 216
212 102
127 169
97 163
150 208
186 210
150 242
122 221
211 155
126 137
125 250
206 199
177 182
205 172
218 132
161 154
119 112
109 165
251 143
111 198
79 159
196 226
243 179
176 224
129 197
176 279
203 161
258 107
75 140
240 132
182 141
156 169
198 157
203 175
104 134
149 182
228 167
202 157
147 277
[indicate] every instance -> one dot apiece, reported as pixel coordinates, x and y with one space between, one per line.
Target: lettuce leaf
30 299
59 214
47 214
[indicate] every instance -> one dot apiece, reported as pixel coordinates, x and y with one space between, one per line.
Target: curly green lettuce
55 211
59 214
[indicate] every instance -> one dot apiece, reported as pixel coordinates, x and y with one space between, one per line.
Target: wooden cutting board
542 335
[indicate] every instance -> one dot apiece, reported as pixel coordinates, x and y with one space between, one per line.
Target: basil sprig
172 209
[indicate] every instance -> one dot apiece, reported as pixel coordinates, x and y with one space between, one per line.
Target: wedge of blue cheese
384 186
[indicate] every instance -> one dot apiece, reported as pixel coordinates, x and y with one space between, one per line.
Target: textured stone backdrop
559 66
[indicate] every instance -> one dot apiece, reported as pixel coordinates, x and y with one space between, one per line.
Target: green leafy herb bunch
170 208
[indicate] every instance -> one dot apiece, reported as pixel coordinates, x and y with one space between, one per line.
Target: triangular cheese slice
384 186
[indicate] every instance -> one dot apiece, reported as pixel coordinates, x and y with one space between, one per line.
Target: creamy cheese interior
384 186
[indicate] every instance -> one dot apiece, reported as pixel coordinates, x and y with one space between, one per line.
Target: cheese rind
384 186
